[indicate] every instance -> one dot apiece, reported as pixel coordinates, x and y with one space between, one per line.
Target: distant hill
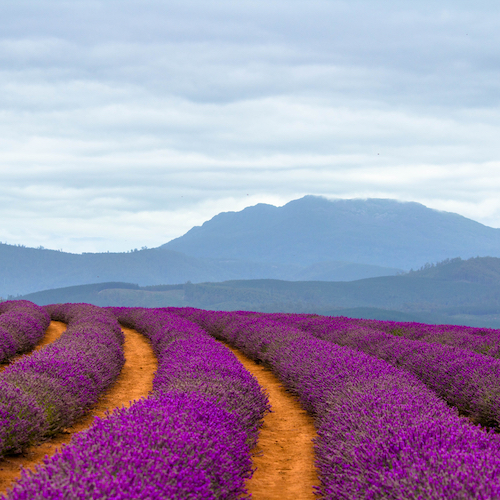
484 270
410 297
26 270
313 229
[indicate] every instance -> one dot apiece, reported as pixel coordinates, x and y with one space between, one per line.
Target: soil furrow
284 454
135 381
53 332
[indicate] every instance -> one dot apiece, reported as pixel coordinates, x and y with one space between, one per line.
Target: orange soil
134 382
284 454
53 332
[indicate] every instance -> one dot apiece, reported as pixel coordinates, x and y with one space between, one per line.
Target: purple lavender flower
381 432
22 326
191 438
42 393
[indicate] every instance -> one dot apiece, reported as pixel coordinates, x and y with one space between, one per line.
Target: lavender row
481 340
382 433
190 439
22 326
42 393
465 379
189 360
177 446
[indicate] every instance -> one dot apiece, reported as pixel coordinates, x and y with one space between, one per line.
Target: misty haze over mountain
310 239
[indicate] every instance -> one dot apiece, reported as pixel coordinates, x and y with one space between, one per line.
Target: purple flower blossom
465 379
22 326
381 432
190 439
42 393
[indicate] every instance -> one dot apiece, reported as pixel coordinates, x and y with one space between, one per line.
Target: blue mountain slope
313 229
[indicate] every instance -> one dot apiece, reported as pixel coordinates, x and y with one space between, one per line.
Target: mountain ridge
485 270
444 298
26 270
309 239
381 232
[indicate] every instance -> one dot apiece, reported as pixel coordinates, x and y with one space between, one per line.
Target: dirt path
53 332
134 382
284 455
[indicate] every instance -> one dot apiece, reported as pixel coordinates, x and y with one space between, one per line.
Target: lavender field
401 410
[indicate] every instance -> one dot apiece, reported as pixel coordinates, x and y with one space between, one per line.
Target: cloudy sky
126 122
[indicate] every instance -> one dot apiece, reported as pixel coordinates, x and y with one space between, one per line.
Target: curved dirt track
284 454
53 332
134 382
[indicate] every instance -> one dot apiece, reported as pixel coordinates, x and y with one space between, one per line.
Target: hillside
26 270
484 270
410 297
314 229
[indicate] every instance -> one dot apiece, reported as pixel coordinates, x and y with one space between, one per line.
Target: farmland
177 403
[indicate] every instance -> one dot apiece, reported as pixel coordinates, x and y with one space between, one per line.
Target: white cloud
125 123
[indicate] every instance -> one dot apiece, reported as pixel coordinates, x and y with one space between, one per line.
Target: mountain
25 270
310 239
313 229
443 298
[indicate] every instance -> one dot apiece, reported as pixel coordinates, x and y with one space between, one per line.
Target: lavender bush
175 446
45 392
382 433
481 340
189 360
465 379
190 439
22 326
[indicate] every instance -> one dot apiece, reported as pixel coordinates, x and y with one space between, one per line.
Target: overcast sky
124 123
